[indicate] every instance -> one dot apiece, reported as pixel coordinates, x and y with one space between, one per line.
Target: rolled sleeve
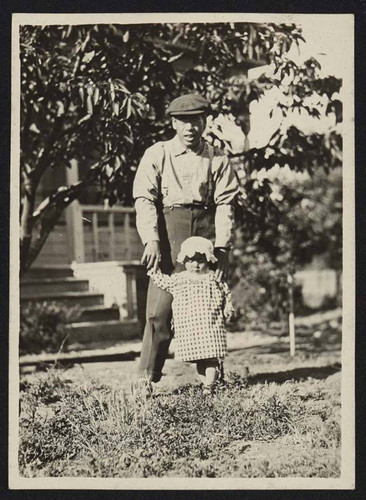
146 220
226 183
146 195
226 190
224 226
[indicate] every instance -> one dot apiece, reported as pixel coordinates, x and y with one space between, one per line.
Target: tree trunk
26 225
39 224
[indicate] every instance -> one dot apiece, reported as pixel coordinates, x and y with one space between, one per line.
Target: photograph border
347 479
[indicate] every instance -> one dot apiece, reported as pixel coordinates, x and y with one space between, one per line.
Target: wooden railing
102 234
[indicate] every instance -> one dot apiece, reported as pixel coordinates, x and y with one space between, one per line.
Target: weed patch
89 429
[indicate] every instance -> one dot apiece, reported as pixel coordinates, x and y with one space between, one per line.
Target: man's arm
222 268
226 189
229 310
146 195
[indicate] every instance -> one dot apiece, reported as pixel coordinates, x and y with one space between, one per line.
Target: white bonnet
196 244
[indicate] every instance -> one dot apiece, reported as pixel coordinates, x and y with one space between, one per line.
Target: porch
92 259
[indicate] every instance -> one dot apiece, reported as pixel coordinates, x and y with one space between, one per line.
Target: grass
76 426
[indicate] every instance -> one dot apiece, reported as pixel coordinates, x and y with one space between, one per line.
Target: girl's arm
163 281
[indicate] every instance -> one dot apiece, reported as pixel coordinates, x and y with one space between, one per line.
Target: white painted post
131 293
112 237
291 316
74 222
79 249
95 236
126 234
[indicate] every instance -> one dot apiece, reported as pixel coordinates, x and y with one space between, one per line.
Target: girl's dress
201 303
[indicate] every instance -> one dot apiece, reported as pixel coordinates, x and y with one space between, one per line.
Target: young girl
201 304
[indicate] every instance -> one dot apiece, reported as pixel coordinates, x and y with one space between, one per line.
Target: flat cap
188 104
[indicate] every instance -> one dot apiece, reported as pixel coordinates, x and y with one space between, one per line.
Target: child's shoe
207 390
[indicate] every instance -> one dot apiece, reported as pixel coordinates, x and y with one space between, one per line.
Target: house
91 258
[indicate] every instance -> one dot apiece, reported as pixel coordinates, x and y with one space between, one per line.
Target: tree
98 94
303 221
72 107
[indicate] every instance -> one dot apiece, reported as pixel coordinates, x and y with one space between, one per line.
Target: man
183 187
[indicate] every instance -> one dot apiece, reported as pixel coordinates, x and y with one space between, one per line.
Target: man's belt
190 206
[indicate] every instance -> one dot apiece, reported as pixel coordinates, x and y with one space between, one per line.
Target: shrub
43 326
260 293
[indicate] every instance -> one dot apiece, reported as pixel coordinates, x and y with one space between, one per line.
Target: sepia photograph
182 251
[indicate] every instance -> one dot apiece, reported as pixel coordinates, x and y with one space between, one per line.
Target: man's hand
222 255
151 256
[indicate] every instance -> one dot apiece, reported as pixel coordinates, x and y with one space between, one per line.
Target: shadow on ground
297 374
304 344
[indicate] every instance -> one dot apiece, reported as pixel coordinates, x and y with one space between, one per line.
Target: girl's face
196 264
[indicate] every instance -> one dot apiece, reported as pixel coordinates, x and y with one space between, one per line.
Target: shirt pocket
201 184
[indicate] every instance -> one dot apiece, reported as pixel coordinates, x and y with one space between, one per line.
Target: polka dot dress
201 303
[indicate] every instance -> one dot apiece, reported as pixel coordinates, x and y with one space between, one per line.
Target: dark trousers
175 225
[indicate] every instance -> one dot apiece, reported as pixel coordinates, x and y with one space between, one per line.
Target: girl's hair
189 257
196 244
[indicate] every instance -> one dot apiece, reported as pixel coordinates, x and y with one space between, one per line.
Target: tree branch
43 162
49 211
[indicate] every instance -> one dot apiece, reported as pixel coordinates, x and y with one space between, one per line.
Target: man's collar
179 148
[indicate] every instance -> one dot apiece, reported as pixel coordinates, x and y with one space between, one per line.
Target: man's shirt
170 174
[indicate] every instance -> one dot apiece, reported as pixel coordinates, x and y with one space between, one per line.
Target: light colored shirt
170 174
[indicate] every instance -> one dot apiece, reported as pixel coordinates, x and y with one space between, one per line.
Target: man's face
189 129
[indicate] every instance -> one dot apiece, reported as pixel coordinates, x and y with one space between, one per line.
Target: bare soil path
265 356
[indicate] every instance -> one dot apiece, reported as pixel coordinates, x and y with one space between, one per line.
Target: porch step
96 326
72 298
99 331
34 286
98 313
55 271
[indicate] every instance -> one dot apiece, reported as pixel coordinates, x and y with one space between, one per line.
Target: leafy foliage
97 94
43 326
298 151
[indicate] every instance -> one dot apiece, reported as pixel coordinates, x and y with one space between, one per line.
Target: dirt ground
265 357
